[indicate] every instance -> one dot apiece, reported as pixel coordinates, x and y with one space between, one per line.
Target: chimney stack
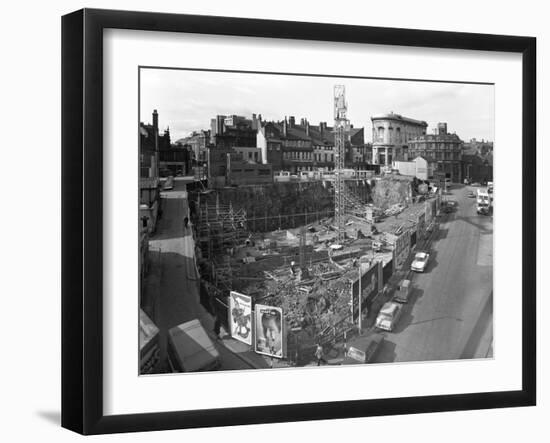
291 121
307 127
156 121
285 127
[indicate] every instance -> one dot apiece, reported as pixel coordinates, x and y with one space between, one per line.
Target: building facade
227 131
151 142
293 147
418 167
196 143
442 150
390 137
227 167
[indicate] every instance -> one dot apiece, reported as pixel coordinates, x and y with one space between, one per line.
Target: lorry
190 349
483 202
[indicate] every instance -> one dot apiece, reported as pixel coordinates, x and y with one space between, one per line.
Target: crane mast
341 134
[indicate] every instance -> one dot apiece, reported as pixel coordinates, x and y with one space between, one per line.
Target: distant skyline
187 100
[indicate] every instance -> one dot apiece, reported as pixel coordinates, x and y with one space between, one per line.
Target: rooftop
398 117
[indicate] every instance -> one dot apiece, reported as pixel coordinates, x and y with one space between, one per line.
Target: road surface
450 312
177 299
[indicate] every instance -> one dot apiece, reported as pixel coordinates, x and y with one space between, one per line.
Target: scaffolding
220 228
341 134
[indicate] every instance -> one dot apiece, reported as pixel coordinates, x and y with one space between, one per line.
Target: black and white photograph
295 220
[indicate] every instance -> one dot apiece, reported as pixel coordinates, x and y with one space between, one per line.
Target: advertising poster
369 288
420 227
240 317
402 249
269 330
428 211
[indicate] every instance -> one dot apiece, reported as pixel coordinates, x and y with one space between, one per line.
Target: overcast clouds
187 100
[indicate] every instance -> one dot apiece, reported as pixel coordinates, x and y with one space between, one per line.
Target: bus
483 202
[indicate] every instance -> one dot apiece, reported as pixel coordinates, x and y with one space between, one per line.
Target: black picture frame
82 215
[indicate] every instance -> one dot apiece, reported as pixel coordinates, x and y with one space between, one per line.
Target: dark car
363 349
403 292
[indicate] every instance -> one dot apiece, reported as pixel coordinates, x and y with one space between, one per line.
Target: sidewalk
247 354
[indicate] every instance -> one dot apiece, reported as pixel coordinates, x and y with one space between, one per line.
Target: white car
389 316
420 262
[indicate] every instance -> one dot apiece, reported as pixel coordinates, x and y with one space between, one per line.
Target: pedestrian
217 326
319 355
186 222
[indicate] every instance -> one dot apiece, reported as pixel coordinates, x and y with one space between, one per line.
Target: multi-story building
150 143
390 137
442 150
477 167
478 147
176 160
228 167
249 154
196 142
227 131
303 147
286 146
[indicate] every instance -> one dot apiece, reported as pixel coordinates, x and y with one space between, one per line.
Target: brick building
442 150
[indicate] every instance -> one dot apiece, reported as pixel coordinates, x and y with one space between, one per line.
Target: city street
449 315
178 295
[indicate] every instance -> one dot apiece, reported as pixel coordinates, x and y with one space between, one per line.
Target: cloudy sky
187 100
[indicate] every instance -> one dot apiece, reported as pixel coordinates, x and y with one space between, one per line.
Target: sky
187 100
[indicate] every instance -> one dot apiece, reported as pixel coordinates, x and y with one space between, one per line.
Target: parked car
471 194
420 262
389 316
403 291
363 349
449 206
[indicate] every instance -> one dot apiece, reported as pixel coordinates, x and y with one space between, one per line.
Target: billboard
420 226
428 211
401 249
240 317
269 330
369 289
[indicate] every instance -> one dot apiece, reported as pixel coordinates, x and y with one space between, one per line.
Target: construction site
303 246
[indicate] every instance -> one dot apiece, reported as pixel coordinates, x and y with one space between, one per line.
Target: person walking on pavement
319 355
217 326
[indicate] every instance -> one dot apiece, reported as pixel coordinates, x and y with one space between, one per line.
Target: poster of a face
269 330
240 321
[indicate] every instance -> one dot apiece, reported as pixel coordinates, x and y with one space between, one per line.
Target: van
190 349
388 316
363 349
